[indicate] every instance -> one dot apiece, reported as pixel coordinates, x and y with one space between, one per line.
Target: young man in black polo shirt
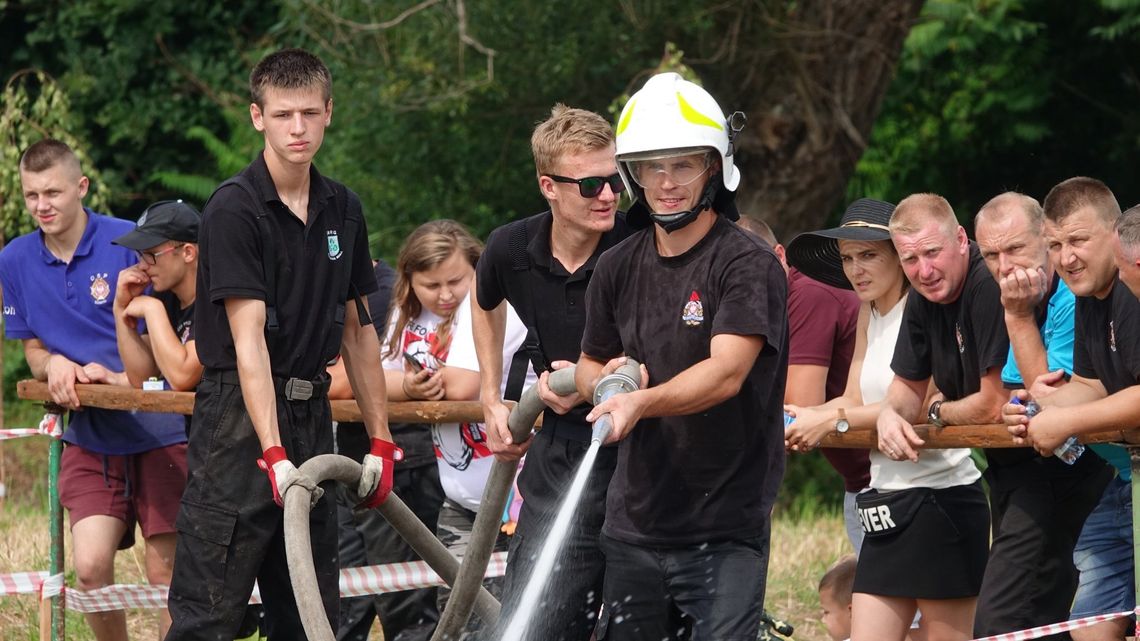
542 265
1037 504
1102 395
702 304
283 253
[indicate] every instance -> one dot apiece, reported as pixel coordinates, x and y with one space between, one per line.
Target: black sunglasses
591 186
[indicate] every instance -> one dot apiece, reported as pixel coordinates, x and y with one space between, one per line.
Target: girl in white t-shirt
429 354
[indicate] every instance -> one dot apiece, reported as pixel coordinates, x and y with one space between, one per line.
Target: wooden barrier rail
124 398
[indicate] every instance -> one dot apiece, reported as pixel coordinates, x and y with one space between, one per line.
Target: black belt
292 388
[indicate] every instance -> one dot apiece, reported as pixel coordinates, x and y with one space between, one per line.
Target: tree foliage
994 95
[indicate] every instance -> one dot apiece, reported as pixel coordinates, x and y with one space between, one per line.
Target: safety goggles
679 170
591 186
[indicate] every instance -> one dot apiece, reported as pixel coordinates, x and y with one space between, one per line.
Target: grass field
802 548
801 551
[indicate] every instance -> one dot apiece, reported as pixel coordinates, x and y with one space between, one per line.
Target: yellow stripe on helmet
694 116
624 121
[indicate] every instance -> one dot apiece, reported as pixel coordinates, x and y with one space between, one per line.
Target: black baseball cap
163 221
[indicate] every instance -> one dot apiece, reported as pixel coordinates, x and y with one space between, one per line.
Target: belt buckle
298 389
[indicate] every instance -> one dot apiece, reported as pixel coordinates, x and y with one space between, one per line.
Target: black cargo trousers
230 532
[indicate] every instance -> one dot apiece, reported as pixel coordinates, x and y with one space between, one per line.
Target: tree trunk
810 76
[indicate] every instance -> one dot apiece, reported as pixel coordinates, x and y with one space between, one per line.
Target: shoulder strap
342 205
530 352
268 249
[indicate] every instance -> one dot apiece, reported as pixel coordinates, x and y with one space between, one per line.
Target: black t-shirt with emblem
181 318
712 475
1107 346
316 263
955 343
517 266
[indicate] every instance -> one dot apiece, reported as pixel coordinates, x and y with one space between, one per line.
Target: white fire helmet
671 116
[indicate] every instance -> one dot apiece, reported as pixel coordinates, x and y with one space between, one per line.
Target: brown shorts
145 488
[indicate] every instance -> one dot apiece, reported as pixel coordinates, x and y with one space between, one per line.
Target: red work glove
282 475
376 472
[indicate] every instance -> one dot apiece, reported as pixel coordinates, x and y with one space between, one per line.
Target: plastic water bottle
788 420
1070 450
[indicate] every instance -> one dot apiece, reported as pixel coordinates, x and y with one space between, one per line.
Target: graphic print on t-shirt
422 344
694 313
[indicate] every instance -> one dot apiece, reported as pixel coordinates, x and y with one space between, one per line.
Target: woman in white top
926 523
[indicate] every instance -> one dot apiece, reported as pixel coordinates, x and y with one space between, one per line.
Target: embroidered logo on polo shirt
961 341
334 244
100 288
1111 336
694 313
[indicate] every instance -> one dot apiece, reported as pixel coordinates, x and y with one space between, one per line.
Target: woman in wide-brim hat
924 562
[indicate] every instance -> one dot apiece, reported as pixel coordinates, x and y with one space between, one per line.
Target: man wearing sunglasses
702 304
542 265
118 468
166 241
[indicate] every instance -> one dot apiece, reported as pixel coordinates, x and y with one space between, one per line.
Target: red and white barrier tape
50 425
363 581
1057 628
22 582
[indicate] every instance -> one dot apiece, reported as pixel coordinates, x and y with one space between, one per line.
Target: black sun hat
162 221
816 253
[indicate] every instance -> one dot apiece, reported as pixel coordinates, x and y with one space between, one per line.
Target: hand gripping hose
299 550
487 520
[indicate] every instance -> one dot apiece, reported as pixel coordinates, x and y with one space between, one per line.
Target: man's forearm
489 329
1077 392
138 362
905 400
178 365
1028 348
247 325
37 357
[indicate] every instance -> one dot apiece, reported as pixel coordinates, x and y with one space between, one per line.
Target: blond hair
918 210
568 131
425 248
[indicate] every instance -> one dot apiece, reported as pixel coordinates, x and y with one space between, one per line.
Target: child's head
835 597
433 272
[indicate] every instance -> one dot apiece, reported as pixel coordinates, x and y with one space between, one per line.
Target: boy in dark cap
166 241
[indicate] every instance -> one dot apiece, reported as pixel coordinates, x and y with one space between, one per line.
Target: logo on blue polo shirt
334 244
9 310
100 288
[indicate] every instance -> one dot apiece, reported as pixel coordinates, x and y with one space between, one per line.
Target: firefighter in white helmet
702 304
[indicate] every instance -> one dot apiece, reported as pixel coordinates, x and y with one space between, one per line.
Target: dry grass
801 551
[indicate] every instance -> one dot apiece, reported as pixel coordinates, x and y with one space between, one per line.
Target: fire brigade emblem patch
694 313
100 288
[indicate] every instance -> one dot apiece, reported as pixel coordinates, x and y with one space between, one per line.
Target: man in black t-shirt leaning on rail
952 332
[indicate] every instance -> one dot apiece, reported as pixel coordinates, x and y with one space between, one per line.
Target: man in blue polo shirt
118 467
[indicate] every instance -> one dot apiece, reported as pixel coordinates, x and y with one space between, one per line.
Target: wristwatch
934 415
841 424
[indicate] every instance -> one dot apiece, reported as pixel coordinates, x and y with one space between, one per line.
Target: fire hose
486 527
299 550
465 578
